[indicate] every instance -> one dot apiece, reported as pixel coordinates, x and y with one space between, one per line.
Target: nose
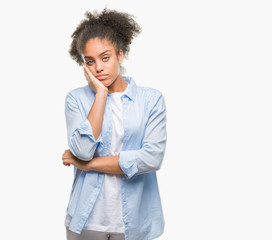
99 67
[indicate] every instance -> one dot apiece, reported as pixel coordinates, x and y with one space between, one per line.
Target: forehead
96 46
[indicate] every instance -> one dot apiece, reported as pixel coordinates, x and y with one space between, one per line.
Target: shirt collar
132 88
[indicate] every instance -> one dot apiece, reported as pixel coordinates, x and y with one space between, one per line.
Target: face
101 59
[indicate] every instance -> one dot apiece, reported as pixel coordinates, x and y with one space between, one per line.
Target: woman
116 136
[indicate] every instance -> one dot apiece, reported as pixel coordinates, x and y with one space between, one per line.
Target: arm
107 164
84 134
149 158
134 162
96 113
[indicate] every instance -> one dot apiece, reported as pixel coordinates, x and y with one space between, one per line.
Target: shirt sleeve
80 136
149 158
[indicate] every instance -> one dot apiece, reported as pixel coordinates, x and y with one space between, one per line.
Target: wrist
90 166
102 92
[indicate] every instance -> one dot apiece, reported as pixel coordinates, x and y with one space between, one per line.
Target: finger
67 153
66 157
88 72
86 76
65 163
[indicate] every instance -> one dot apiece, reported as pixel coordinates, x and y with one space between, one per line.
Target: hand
68 158
93 82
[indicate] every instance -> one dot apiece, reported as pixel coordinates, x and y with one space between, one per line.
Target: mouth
102 76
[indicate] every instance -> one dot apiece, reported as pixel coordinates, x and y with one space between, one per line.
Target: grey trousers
93 235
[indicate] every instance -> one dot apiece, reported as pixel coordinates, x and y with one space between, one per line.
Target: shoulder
151 99
148 91
150 95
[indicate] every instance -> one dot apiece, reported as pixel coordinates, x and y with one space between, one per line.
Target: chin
107 84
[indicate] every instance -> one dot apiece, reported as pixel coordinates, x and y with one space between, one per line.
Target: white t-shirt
106 215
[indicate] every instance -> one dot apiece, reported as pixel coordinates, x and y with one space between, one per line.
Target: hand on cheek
93 82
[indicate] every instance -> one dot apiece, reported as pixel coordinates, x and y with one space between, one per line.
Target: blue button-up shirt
144 141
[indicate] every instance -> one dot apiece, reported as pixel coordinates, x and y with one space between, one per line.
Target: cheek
117 71
91 69
115 68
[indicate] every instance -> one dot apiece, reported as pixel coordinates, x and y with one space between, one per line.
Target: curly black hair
117 27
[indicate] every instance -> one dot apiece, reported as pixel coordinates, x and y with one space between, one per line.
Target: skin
100 59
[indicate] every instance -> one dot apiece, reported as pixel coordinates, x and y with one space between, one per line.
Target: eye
105 59
90 62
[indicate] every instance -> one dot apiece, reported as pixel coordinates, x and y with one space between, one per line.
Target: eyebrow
98 55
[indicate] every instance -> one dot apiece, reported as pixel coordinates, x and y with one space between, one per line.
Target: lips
102 76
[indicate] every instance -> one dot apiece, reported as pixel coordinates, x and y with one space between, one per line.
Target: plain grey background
211 60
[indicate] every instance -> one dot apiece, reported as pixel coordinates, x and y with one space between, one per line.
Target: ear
120 56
